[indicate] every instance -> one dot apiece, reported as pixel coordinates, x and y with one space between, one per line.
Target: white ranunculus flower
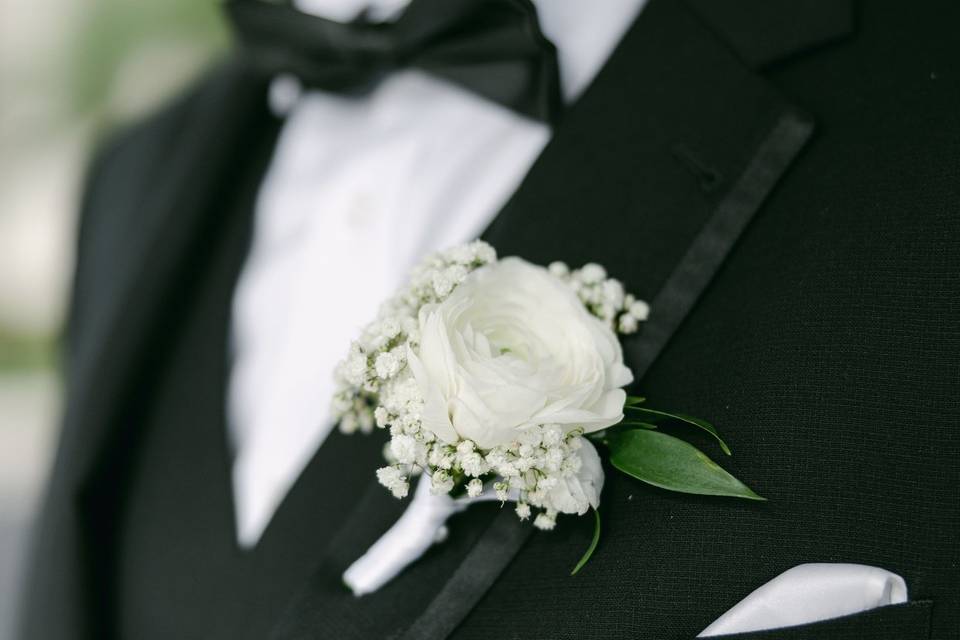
511 348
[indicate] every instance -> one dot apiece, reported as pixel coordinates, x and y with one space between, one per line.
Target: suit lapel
655 172
187 185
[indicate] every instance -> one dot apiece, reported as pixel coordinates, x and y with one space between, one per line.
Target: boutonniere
502 380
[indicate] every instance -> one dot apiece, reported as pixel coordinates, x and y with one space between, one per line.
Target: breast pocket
908 621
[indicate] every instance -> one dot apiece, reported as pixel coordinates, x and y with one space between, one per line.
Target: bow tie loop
491 47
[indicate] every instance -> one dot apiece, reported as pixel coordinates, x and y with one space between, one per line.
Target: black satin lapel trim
324 608
195 173
715 241
479 570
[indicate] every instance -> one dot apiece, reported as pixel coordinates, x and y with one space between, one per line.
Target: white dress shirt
358 190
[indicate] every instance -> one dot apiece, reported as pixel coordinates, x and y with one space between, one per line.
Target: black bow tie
493 47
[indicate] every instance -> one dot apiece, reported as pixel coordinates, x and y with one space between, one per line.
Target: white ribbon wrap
811 593
420 526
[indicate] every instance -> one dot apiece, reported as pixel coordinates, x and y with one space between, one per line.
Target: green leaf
593 544
670 463
697 422
633 401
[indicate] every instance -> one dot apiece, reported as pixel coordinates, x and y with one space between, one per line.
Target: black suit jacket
781 180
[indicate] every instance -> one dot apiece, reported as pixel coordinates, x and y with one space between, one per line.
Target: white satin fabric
359 188
811 593
421 525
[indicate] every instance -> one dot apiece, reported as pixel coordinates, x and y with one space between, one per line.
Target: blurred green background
69 71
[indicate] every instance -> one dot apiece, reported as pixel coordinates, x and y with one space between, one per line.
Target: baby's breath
375 387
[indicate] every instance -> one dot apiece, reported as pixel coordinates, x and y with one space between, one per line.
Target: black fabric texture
824 348
787 26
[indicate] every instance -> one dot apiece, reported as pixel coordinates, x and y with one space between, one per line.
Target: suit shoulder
130 159
121 173
128 154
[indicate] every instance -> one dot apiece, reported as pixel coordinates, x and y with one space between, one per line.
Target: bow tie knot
491 47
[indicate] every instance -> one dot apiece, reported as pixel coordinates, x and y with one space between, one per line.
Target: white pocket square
811 593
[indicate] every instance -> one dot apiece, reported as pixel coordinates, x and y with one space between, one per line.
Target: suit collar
655 172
